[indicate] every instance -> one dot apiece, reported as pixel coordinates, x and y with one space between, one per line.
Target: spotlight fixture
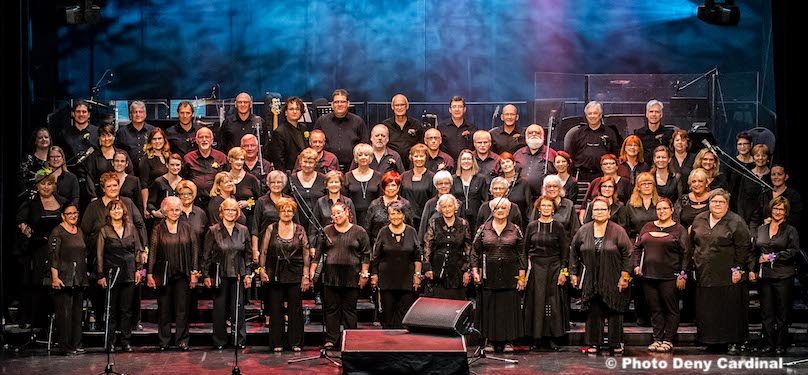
724 13
81 14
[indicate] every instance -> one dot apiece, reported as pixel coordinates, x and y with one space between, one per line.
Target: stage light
81 14
722 14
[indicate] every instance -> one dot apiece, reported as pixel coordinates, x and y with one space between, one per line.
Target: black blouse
95 218
571 189
344 256
376 217
471 197
130 188
149 168
683 211
285 260
172 254
599 267
546 240
226 254
159 190
198 221
213 211
785 245
310 195
672 189
663 252
633 219
417 192
394 257
67 186
115 251
265 213
718 249
447 251
498 256
362 193
68 254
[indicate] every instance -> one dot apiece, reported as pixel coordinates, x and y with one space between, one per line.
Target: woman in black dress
119 251
547 249
345 256
563 163
364 184
152 165
776 247
164 186
285 261
416 183
668 183
661 256
519 192
447 248
36 218
173 265
693 203
307 186
130 185
67 184
247 187
377 216
599 265
35 161
68 274
498 266
395 266
224 266
564 208
469 186
721 243
682 159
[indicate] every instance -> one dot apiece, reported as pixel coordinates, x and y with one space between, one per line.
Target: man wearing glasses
508 137
591 141
403 131
343 130
132 137
291 136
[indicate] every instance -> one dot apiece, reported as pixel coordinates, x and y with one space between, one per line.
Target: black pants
598 311
224 303
395 304
135 307
120 312
664 306
172 305
775 305
438 291
35 306
278 294
339 306
67 302
641 307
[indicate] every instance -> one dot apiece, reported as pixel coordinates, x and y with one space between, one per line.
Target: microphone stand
738 167
547 139
107 347
235 330
258 129
308 213
32 192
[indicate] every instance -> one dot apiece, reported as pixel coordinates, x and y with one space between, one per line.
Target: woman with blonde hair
708 160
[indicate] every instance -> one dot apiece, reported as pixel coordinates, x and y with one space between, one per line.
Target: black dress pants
172 305
395 304
598 311
339 306
224 306
290 294
67 303
775 305
664 306
120 312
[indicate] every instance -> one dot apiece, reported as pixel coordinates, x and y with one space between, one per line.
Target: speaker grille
436 315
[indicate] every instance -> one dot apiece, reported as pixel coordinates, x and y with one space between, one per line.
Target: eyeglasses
600 209
399 105
339 102
74 213
715 201
608 163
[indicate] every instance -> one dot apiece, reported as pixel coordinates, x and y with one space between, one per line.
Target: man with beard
202 164
182 136
534 160
384 159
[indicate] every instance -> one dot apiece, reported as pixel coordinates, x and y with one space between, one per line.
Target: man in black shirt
591 141
486 159
242 122
403 131
436 160
81 135
249 143
384 159
290 138
182 136
654 134
507 137
456 132
132 137
343 130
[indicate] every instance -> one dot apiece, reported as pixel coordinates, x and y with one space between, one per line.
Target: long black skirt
500 314
546 304
721 314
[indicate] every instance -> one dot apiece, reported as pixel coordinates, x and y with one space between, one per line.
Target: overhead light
725 13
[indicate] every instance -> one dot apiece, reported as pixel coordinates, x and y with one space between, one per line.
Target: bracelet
681 275
565 272
364 274
259 270
417 274
771 257
520 278
627 279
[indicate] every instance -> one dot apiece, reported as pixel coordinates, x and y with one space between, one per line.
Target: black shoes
184 347
126 348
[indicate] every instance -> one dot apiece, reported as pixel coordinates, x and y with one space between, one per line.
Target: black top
233 128
502 141
566 215
322 213
40 220
720 181
376 216
113 251
663 252
587 146
441 162
95 217
785 245
172 254
652 139
626 171
447 251
794 200
456 138
150 168
521 195
213 212
181 141
310 195
599 263
417 192
344 256
248 187
390 161
515 216
285 260
488 165
571 189
68 254
130 188
362 193
265 213
132 140
718 249
622 190
77 141
633 219
67 186
471 197
342 134
401 139
226 254
546 240
615 212
532 166
159 190
198 221
749 200
673 188
287 142
202 170
498 256
394 257
684 211
93 167
685 168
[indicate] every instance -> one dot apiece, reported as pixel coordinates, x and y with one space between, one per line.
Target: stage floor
257 360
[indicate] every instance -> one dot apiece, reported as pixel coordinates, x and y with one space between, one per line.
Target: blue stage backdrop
483 50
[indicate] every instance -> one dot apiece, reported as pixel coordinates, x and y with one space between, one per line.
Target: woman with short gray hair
447 247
